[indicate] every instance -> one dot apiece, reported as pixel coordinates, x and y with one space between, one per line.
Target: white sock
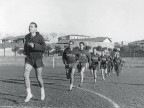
42 93
71 86
28 91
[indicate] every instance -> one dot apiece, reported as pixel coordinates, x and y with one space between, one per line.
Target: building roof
97 39
78 35
74 35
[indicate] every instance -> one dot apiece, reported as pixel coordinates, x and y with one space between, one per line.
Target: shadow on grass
12 100
33 83
126 84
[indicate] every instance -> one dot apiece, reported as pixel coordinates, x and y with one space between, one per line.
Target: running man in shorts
118 64
103 64
33 50
70 61
109 64
113 54
95 63
83 58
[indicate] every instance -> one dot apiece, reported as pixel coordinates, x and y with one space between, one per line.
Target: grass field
127 90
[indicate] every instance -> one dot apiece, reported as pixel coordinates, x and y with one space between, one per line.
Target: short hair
82 43
34 24
71 41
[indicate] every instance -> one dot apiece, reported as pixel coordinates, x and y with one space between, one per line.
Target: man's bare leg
72 78
82 76
27 70
40 81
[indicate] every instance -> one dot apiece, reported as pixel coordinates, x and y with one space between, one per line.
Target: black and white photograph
71 53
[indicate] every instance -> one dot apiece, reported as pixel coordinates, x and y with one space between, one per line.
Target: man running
103 65
109 63
69 59
95 63
118 63
83 58
33 50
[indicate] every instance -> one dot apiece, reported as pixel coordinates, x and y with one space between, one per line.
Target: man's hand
31 44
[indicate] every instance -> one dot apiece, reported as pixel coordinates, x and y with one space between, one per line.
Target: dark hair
82 43
71 41
34 24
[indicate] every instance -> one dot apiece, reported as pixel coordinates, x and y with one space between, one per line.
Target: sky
121 20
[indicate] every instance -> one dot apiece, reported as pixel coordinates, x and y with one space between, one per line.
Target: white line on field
102 96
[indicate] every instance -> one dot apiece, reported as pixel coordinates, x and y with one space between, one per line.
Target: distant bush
15 49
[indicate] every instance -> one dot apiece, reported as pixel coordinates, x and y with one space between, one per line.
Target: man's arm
40 46
25 47
89 58
64 56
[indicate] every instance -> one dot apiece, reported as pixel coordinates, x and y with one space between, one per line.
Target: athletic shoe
95 80
42 94
29 96
71 86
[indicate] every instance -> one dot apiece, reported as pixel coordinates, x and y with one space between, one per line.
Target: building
8 40
67 37
93 42
19 39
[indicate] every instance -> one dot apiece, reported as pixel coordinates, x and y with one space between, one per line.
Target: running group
107 62
34 48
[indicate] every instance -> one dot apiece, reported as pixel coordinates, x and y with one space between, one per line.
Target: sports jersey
69 56
103 59
84 56
95 58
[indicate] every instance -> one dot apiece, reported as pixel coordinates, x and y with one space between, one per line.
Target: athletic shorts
36 63
70 66
103 66
95 66
81 64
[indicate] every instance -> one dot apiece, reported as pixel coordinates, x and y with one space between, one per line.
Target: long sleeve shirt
95 58
69 56
39 46
84 56
104 59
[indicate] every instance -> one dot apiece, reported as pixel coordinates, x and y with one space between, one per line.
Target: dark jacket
39 46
